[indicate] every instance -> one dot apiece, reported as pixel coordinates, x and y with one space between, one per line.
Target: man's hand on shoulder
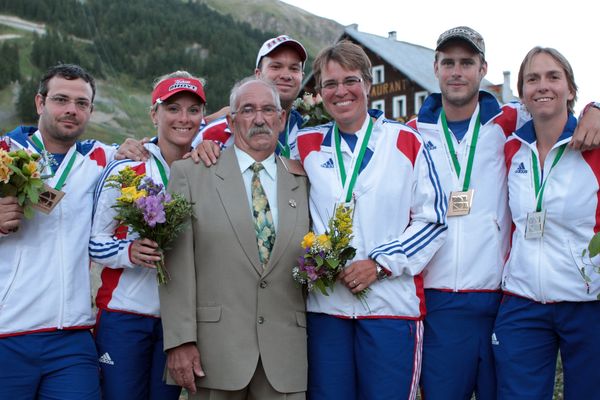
133 149
587 133
207 151
183 363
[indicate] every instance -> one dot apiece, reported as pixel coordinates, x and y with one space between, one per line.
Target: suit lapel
230 186
287 213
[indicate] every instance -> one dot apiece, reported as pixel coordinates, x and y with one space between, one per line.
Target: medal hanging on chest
460 202
536 220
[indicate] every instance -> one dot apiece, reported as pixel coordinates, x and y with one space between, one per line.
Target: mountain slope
276 16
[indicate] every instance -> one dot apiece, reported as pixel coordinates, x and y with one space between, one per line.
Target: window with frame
399 106
378 73
378 105
419 100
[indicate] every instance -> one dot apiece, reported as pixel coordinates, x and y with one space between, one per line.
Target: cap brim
458 39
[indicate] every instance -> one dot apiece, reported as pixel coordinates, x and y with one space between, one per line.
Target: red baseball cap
169 87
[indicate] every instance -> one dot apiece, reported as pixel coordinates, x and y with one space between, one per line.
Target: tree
25 101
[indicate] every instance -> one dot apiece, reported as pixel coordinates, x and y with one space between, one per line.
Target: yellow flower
5 173
308 240
131 194
5 159
324 241
30 168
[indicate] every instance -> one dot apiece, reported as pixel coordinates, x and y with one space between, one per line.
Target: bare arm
587 133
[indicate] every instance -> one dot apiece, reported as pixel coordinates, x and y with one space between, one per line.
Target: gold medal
460 203
48 199
535 224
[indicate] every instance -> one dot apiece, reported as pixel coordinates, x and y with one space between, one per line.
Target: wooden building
403 74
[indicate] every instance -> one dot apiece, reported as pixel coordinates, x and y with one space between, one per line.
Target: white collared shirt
268 179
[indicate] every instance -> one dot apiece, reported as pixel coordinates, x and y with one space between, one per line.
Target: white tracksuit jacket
477 244
547 269
44 266
125 286
399 216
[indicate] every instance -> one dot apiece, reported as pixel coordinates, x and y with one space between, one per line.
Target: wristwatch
380 271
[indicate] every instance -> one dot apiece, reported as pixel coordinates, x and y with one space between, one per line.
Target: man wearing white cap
280 60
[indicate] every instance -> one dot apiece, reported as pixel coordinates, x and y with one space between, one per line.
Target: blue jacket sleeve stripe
440 198
102 181
438 231
420 239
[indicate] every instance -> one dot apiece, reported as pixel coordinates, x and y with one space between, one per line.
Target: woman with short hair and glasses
369 348
128 330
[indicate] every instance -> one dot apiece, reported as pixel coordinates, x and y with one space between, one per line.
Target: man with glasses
46 348
234 320
280 60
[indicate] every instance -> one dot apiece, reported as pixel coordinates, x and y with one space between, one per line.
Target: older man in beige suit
234 319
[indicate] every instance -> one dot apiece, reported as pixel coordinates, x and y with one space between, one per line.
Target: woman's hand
144 252
359 275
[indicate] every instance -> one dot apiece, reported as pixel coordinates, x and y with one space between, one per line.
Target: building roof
414 61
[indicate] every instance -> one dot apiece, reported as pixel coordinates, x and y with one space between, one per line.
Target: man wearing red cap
280 60
128 330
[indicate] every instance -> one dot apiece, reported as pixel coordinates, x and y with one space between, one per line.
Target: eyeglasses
250 112
348 83
63 101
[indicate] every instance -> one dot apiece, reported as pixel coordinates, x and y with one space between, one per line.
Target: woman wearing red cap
128 331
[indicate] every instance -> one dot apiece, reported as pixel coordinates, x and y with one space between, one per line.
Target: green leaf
319 260
333 263
28 211
348 253
594 246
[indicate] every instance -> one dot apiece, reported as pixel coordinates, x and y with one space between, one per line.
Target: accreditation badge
49 198
535 224
460 203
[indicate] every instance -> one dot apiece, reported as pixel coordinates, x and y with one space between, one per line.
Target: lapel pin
292 203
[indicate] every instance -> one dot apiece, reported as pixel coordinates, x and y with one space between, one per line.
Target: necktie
263 220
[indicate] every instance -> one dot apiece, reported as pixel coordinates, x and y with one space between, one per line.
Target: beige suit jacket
219 296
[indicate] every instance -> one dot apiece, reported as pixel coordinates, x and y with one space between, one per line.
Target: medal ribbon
63 177
453 155
539 189
284 149
163 174
358 160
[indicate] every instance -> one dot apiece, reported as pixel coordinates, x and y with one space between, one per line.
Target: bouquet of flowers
312 110
149 211
20 176
326 255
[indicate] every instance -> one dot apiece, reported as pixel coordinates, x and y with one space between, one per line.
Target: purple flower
153 209
150 187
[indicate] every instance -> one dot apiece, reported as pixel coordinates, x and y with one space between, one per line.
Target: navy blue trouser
457 351
48 366
527 338
132 360
363 359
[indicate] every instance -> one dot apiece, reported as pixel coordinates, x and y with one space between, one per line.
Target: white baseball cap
278 41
